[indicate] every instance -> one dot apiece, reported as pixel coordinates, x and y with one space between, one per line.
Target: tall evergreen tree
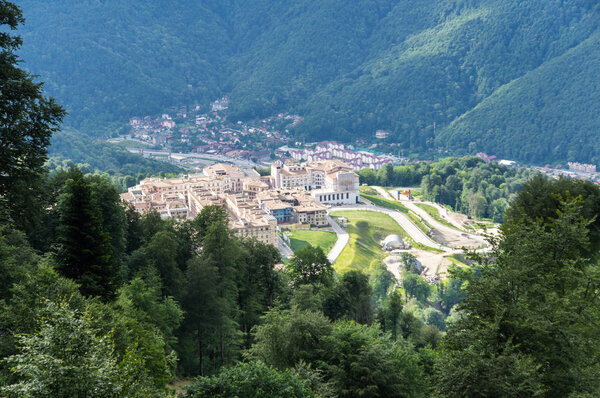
106 195
27 120
84 252
221 251
258 282
202 315
390 315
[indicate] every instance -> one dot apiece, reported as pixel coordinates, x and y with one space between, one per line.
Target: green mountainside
563 95
513 78
71 146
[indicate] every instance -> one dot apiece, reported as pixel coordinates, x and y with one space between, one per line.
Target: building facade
330 181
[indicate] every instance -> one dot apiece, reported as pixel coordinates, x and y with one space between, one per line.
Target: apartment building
293 206
330 181
231 175
576 166
185 197
254 207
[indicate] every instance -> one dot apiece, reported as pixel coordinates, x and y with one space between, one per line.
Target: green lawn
131 144
368 190
395 205
300 238
457 259
433 212
366 229
388 204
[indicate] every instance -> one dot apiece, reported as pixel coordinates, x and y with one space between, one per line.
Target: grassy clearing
394 205
485 223
131 144
368 190
435 214
366 230
421 224
299 239
457 259
388 204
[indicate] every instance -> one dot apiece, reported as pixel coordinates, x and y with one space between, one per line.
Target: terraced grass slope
366 230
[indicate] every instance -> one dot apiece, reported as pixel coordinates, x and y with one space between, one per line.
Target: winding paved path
402 220
411 229
457 234
284 249
342 240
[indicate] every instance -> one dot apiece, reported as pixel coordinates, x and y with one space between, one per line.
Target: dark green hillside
73 147
349 68
305 45
108 61
440 72
551 110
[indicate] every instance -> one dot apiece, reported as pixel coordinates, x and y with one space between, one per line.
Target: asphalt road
342 240
432 221
242 163
284 249
411 229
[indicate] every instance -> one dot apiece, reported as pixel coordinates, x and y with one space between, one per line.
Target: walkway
284 249
451 234
411 229
342 241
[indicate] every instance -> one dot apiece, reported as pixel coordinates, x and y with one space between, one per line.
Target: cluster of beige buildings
293 194
331 150
328 181
587 168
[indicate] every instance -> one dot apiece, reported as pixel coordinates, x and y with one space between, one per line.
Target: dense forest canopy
513 78
467 184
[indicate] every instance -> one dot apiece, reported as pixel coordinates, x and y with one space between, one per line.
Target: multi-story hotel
329 181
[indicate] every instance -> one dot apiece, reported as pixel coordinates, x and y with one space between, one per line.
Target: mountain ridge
348 68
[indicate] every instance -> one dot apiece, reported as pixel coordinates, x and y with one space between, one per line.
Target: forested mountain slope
471 68
562 95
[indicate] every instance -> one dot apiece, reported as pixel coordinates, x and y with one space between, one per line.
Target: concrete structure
393 242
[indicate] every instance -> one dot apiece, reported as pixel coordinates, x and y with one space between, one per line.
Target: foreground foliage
251 380
530 316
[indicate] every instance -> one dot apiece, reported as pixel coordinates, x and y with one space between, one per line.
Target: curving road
402 220
342 240
432 221
411 229
284 249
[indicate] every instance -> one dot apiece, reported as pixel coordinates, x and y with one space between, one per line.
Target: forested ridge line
511 78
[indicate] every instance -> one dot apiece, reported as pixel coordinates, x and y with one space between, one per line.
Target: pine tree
219 250
83 248
529 324
27 121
